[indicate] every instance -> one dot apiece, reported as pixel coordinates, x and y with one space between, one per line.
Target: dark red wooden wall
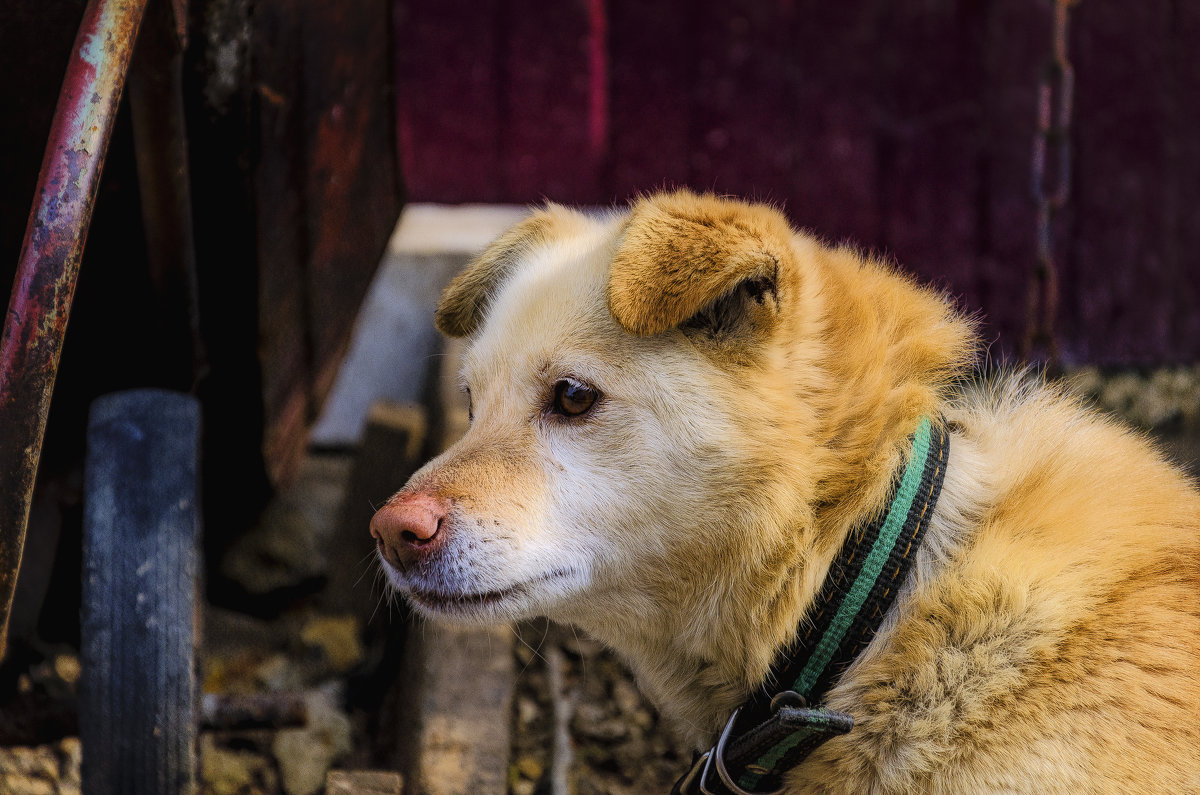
905 127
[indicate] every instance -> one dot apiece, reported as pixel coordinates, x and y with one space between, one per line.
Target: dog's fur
757 391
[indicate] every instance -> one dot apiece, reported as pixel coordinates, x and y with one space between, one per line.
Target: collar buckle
695 781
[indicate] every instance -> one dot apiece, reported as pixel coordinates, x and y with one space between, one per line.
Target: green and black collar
779 726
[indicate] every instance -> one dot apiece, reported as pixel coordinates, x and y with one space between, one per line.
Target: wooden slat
364 782
906 128
327 197
1131 179
390 452
650 86
544 67
448 96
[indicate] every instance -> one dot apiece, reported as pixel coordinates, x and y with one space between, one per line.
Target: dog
683 415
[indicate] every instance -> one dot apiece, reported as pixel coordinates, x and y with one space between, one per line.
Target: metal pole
45 283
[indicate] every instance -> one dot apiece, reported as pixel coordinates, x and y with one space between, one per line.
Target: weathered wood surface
905 127
295 190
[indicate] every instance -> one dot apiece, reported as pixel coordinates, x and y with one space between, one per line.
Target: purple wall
905 127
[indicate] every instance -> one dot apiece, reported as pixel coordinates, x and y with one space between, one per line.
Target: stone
70 765
68 669
628 699
306 755
530 767
592 721
224 771
287 549
364 782
527 710
337 639
278 673
41 770
581 645
525 654
430 245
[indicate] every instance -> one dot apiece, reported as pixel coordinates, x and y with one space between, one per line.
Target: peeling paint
40 303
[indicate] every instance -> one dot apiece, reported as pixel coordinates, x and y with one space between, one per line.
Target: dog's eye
571 398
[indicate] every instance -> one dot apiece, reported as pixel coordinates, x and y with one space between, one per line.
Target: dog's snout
408 527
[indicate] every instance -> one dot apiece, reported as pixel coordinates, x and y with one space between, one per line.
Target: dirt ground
618 742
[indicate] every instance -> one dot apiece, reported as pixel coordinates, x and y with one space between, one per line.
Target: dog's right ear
466 299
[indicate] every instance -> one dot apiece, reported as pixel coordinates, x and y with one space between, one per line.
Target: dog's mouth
468 603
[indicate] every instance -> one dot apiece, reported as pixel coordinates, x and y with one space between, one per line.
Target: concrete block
394 348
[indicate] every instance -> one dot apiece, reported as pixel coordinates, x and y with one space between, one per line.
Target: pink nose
410 526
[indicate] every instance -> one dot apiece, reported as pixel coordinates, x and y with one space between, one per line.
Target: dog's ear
465 300
699 263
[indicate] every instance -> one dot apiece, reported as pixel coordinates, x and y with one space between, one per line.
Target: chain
1051 142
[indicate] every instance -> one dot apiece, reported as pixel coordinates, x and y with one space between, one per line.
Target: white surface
444 228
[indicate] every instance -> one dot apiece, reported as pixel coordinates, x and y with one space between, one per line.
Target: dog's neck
891 352
696 684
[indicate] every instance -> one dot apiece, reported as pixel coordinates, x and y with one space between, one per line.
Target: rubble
226 771
42 770
306 755
620 744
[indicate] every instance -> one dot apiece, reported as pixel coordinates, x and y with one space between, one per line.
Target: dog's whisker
582 657
537 653
367 568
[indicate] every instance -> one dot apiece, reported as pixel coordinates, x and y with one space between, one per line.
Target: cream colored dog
681 412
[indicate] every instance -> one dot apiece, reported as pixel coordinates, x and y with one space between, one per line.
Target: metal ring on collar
718 754
787 698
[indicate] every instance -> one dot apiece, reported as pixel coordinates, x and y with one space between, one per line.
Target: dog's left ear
699 262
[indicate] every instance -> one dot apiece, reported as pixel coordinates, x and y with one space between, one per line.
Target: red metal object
45 283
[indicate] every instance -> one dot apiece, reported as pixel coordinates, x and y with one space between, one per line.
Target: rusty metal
1051 142
179 15
40 303
161 150
230 712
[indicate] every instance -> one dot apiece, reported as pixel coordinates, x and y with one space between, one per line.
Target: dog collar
778 727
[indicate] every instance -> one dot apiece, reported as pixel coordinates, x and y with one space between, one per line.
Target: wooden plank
904 128
545 80
1131 180
460 683
327 197
650 82
446 692
832 185
1182 205
364 782
927 79
744 114
390 452
281 235
448 99
1004 235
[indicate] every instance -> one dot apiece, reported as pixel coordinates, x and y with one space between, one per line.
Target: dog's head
645 391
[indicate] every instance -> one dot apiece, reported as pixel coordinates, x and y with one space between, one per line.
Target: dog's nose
409 526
